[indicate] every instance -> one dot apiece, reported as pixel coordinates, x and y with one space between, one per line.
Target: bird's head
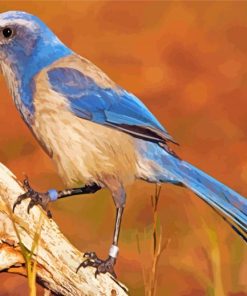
27 43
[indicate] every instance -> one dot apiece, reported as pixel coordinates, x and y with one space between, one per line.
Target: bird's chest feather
82 150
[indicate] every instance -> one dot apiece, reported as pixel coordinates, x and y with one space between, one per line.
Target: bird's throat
14 87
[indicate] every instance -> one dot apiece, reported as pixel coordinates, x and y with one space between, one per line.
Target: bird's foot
37 198
102 266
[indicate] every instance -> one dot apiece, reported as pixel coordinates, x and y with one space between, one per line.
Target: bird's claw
37 198
102 266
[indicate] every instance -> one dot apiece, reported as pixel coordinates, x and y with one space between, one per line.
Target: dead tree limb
57 260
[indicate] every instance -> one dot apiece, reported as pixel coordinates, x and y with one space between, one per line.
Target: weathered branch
57 259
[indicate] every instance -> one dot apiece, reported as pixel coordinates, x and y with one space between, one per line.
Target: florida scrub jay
98 134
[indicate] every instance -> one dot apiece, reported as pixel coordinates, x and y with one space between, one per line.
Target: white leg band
113 252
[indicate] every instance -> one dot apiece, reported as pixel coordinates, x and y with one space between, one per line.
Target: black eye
7 32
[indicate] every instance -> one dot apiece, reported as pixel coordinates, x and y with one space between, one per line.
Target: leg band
113 252
53 194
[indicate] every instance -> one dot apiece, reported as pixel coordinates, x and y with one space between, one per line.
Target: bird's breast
83 151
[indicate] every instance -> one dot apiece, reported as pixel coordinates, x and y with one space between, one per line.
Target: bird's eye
7 32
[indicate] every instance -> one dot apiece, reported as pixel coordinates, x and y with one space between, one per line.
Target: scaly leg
103 266
43 199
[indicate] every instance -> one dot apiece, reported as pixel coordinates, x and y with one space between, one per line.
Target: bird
98 134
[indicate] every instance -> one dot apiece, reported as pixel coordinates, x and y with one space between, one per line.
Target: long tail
228 203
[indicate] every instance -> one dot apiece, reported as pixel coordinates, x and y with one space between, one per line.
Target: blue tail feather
228 203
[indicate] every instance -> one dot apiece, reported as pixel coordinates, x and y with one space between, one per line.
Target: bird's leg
44 198
103 266
87 189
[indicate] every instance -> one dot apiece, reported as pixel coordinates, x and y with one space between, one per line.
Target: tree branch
57 260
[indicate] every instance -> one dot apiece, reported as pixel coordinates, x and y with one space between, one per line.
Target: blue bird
98 134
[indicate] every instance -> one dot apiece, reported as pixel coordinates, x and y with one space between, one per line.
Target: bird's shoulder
92 95
77 68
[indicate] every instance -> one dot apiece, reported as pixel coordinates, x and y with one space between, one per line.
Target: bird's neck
14 86
20 75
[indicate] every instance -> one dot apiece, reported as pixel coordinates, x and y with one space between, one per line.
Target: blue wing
107 106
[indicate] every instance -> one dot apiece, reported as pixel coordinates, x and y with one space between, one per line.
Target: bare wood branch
57 259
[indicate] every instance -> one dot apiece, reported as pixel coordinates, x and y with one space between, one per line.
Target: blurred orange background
187 62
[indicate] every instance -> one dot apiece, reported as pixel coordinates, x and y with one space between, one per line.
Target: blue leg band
53 194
